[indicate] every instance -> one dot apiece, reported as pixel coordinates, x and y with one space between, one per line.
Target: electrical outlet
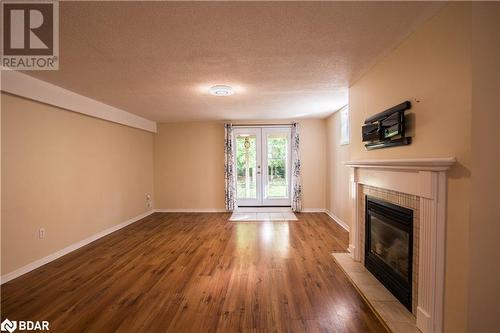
148 201
41 233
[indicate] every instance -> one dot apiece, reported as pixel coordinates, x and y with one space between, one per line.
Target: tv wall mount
387 128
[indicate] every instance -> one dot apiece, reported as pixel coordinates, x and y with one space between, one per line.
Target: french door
262 164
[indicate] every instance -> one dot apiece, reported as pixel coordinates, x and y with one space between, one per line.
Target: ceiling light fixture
221 90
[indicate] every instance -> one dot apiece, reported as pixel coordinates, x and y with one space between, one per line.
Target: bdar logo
24 325
8 325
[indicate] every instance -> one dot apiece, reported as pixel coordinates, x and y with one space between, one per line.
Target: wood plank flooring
185 272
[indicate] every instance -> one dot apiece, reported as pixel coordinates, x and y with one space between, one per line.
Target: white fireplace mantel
425 178
429 164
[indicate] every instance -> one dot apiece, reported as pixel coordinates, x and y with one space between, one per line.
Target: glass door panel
276 161
247 159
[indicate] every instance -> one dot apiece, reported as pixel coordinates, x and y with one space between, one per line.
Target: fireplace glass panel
391 245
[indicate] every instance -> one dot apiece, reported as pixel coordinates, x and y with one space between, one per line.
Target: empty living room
250 166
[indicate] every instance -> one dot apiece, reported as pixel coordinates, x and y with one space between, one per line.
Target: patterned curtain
230 189
296 186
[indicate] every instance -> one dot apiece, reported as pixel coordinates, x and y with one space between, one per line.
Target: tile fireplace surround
419 184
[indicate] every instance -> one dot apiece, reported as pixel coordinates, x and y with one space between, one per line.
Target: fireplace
389 247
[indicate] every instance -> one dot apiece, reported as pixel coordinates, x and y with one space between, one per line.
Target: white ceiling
285 60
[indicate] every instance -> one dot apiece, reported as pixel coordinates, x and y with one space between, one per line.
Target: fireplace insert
389 247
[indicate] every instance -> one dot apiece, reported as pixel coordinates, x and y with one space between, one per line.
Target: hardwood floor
184 272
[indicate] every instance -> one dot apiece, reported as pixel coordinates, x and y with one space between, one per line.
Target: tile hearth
393 314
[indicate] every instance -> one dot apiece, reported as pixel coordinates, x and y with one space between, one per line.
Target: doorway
263 164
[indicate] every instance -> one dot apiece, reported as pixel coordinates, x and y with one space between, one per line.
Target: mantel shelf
429 164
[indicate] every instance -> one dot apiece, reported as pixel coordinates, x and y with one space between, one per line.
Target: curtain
296 186
230 189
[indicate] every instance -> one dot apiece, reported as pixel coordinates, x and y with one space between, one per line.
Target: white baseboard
313 210
351 249
338 220
329 213
45 260
262 209
190 210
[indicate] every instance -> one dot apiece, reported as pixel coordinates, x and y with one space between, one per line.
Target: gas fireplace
389 247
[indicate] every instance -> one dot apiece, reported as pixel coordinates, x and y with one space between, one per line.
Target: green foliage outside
277 147
240 156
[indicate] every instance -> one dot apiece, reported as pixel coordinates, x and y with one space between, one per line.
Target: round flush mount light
221 90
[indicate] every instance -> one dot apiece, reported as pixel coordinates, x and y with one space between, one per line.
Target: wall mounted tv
387 128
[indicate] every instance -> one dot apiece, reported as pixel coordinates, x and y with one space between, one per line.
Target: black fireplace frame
401 218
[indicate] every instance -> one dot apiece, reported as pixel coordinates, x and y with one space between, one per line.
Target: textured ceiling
286 60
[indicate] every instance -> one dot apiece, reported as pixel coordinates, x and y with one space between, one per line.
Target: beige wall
338 176
189 165
70 174
432 68
313 163
484 227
